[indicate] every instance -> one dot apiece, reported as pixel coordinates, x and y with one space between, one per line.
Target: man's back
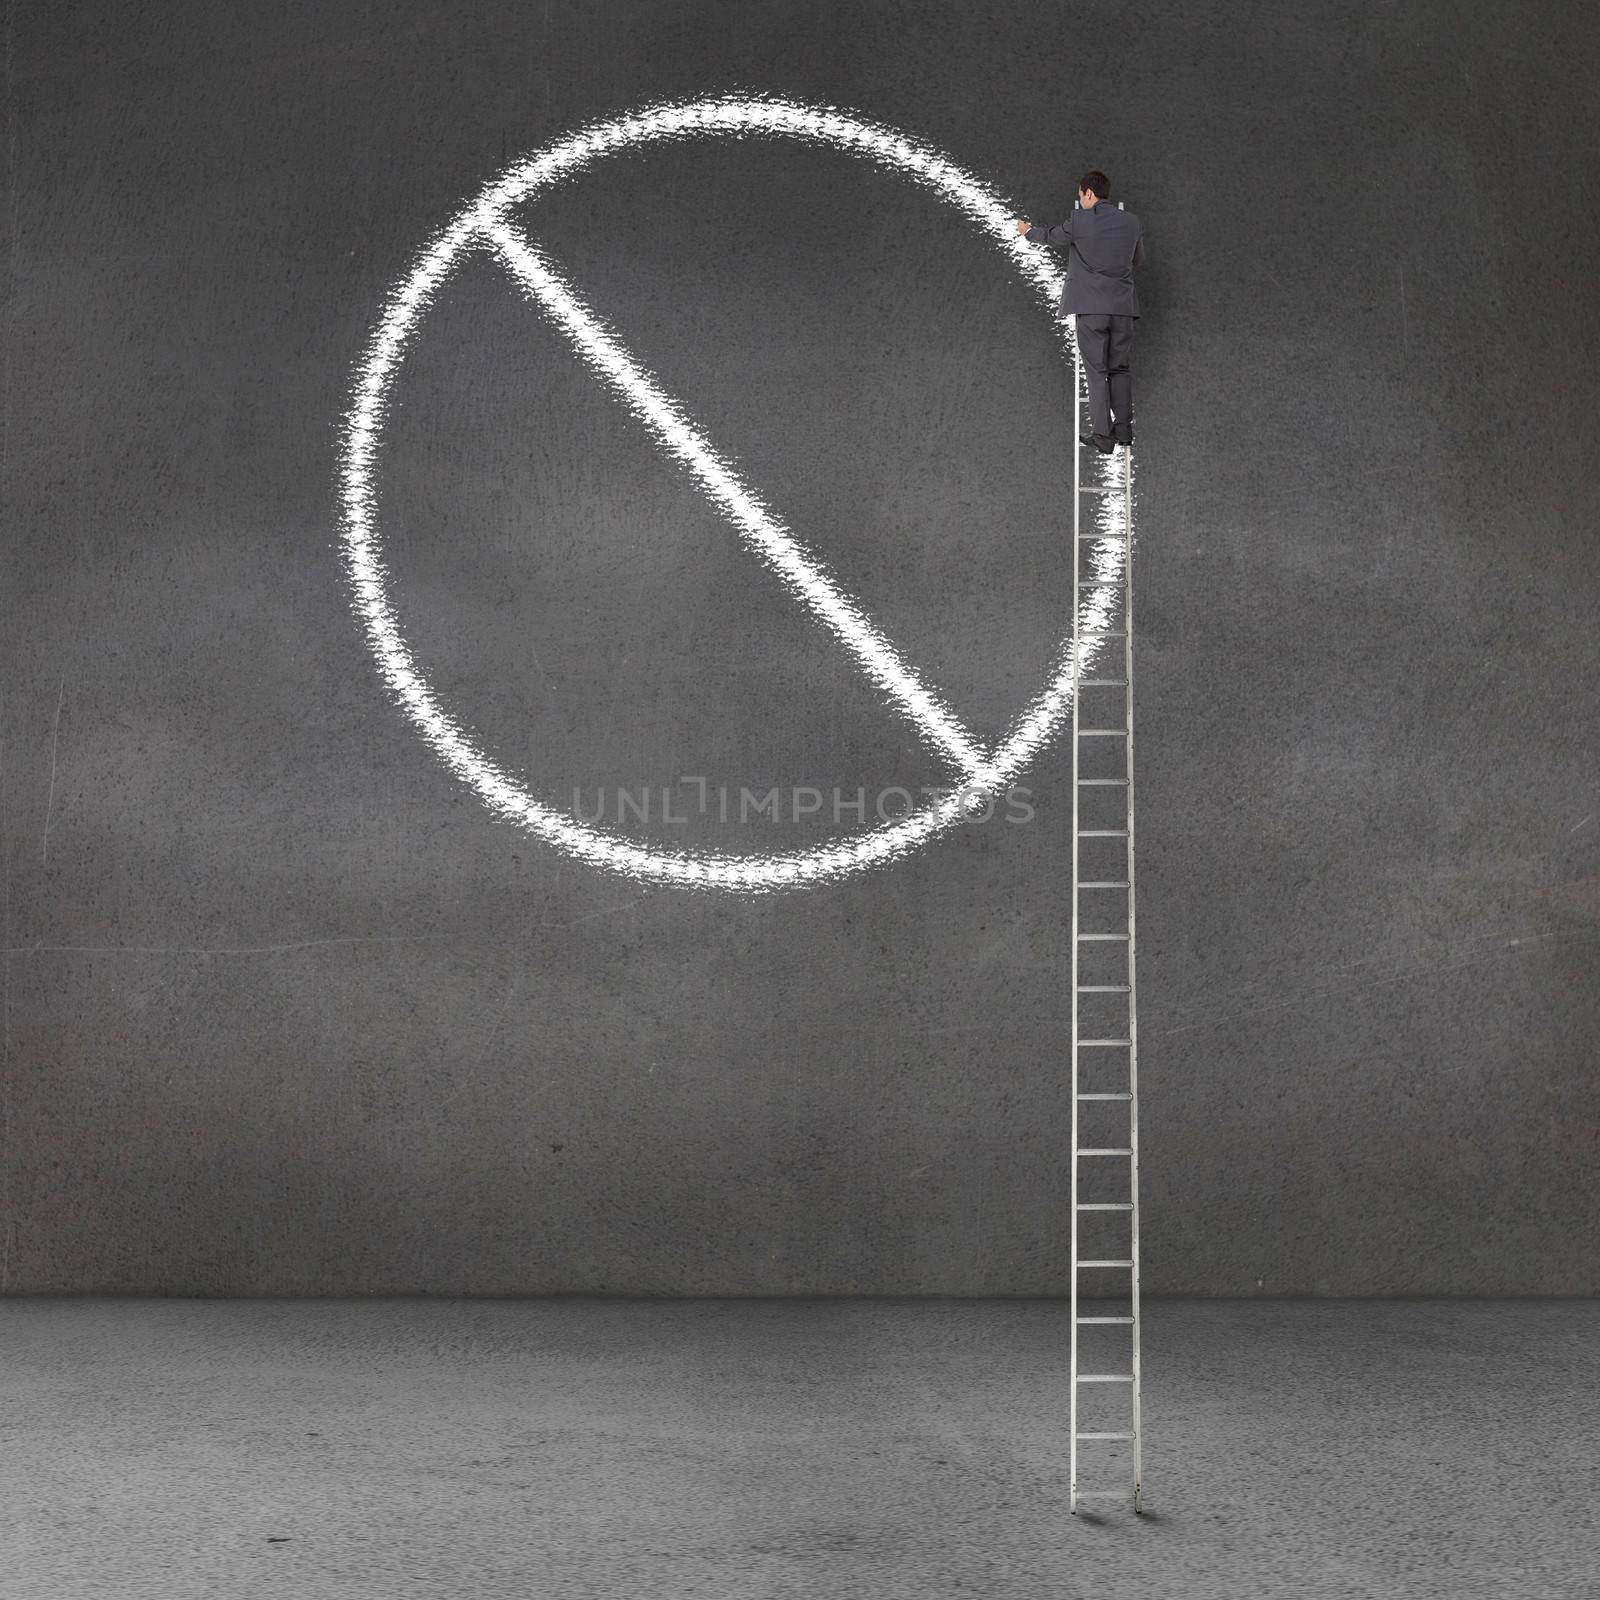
1104 246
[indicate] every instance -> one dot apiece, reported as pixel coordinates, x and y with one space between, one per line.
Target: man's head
1092 186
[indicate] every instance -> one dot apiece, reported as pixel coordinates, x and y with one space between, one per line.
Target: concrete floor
773 1448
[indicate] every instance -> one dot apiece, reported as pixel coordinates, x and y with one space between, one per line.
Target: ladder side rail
1077 696
1136 1424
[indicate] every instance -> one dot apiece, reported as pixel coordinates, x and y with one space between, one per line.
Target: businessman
1104 245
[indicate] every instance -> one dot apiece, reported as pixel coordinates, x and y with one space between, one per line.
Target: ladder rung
1103 733
1106 633
1105 883
1103 783
1100 936
1102 583
1103 488
1101 538
1101 1494
1105 1264
1126 1322
1098 1096
1083 1042
1103 683
1105 1205
1105 1435
1104 988
1106 1151
1102 833
1105 1377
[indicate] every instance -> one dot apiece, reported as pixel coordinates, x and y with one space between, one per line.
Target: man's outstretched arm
1036 233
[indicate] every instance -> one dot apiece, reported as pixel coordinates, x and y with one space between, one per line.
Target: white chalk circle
484 224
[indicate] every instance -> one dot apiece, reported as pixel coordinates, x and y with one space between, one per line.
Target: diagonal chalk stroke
759 527
360 450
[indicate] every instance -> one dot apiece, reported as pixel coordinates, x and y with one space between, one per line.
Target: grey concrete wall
286 1011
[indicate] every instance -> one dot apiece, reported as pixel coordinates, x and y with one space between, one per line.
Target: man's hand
1023 224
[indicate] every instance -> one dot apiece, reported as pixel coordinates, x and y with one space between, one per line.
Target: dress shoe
1102 442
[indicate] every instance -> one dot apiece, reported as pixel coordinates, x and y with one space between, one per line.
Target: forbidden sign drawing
485 225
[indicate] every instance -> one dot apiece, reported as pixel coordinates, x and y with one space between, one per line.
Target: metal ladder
1103 922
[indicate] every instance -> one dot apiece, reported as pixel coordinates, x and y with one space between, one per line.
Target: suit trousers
1106 345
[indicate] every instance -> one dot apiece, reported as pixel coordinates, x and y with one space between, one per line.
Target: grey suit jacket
1104 245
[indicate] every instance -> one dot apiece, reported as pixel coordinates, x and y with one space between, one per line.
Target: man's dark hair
1097 183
